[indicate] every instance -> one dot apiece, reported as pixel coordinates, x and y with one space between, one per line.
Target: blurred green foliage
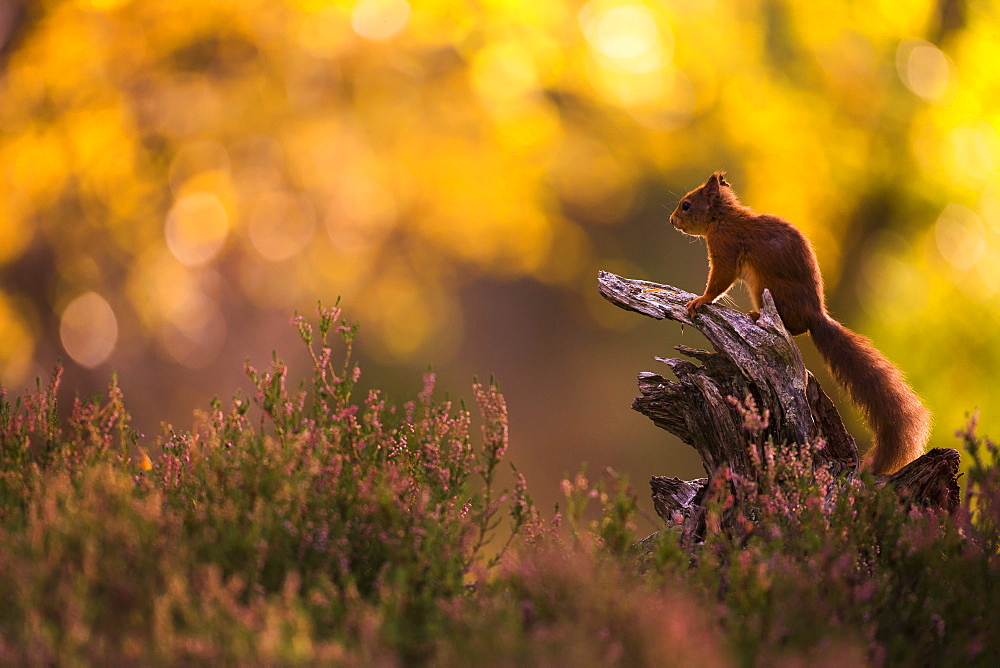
169 170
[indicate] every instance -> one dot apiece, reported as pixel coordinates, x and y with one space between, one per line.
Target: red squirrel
766 251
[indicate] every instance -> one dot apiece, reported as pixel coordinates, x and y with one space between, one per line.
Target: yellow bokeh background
457 172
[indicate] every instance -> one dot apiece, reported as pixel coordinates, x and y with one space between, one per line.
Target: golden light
975 149
159 284
664 92
989 204
894 286
673 109
88 329
196 162
960 236
620 32
281 224
168 108
379 19
628 35
196 228
194 333
406 324
14 233
175 302
37 163
598 186
17 345
361 214
411 317
924 69
988 270
504 72
325 33
101 5
631 63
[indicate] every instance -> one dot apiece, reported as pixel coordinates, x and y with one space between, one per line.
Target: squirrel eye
685 205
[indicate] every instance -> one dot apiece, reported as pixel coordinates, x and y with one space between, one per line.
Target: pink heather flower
430 379
520 488
753 420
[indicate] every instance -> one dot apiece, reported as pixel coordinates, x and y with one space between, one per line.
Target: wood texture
752 359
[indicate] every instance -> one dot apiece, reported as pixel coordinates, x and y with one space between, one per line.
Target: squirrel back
766 251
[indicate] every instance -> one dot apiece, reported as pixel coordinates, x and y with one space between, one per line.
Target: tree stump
756 359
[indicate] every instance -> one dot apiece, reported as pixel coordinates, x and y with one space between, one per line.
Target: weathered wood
757 359
672 497
930 480
679 502
760 360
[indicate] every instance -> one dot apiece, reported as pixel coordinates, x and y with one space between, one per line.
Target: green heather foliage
307 525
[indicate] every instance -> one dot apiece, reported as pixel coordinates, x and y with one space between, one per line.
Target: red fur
766 251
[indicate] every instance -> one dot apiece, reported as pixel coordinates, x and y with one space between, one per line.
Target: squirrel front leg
723 270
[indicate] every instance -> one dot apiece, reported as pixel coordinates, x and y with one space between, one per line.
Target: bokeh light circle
960 236
281 224
196 228
380 19
194 333
625 32
89 330
924 69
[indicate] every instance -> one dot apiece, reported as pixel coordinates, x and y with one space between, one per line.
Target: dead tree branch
756 359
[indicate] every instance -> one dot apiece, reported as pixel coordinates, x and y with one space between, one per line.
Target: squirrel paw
693 305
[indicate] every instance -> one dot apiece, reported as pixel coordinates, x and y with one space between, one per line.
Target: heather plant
604 514
302 523
799 564
982 490
336 511
799 559
579 607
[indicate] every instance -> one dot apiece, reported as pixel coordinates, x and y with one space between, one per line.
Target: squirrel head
703 205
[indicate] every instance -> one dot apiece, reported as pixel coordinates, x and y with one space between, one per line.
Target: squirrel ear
713 184
721 177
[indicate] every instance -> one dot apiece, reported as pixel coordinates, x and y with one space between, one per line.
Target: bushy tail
899 422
